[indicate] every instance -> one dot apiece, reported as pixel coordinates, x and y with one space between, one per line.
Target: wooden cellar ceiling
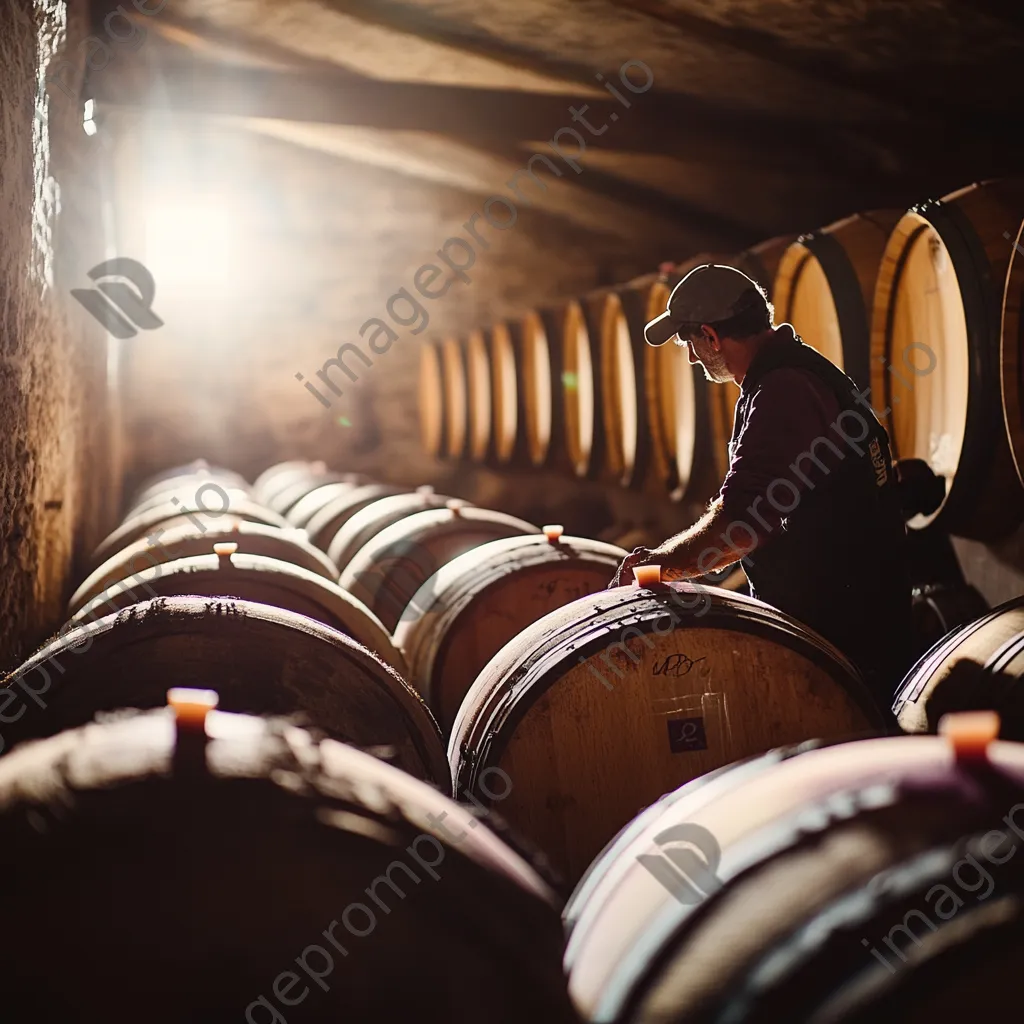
766 116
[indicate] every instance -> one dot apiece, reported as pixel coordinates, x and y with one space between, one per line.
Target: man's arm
706 546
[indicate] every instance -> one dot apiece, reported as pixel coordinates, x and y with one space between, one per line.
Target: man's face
701 350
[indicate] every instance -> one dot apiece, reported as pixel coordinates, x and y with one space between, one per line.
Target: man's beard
714 366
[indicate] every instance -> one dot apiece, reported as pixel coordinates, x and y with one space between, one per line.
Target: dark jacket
838 560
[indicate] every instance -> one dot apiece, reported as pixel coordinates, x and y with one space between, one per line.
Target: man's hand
624 574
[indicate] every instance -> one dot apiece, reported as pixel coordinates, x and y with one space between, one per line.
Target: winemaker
809 502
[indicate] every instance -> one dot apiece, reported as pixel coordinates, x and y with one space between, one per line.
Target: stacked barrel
242 731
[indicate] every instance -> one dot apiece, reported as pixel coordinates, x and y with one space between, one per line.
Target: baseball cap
707 295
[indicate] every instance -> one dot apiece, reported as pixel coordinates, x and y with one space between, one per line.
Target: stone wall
59 468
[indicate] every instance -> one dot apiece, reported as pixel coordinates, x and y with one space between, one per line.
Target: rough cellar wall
57 472
326 243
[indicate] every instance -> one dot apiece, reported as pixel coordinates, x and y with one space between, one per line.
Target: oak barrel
431 400
616 318
260 659
974 667
825 288
859 882
603 705
379 515
508 397
478 396
388 571
221 874
1011 350
529 334
175 513
170 480
476 603
577 441
456 398
312 501
935 342
186 539
761 262
229 573
273 477
329 519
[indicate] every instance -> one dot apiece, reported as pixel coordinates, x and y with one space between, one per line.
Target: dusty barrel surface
603 705
270 581
529 336
388 571
186 540
977 666
333 515
379 515
478 602
286 863
935 349
938 608
285 500
825 288
508 397
259 658
854 883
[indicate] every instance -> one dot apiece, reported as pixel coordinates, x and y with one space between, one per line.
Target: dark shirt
790 410
810 475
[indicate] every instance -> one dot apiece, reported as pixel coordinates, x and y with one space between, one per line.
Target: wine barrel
176 513
616 318
186 540
389 571
851 883
313 501
257 578
323 526
277 477
975 667
263 859
678 413
476 603
478 396
170 479
530 339
935 340
431 400
195 491
261 659
716 403
508 397
939 608
601 706
1011 347
456 398
577 441
291 494
825 287
761 262
377 516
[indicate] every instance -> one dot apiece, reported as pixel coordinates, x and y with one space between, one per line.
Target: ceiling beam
656 123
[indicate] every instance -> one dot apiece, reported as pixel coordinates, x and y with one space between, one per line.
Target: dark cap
707 295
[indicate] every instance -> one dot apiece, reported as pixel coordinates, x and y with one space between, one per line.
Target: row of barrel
394 621
921 306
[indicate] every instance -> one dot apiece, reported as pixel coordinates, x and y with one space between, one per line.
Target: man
809 502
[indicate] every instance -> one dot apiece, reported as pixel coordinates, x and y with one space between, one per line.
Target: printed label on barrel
686 734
